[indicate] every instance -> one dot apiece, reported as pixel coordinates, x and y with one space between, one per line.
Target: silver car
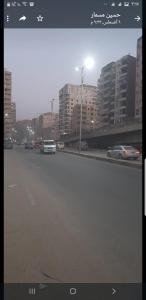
123 152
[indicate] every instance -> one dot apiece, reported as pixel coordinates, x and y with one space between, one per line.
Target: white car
48 146
123 152
60 145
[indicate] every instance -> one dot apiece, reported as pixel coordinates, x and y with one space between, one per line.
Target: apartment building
89 118
124 109
106 93
116 90
138 92
13 114
49 125
7 102
70 96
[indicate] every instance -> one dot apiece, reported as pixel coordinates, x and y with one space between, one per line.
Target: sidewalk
101 155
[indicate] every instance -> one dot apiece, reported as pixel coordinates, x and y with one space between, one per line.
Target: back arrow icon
114 291
137 18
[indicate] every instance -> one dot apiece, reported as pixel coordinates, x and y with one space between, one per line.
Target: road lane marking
12 186
30 197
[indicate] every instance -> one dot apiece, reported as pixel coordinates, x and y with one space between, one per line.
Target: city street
71 219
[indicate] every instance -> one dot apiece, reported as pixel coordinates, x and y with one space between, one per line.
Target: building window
123 94
123 103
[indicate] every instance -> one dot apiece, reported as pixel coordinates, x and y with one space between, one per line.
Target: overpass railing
129 125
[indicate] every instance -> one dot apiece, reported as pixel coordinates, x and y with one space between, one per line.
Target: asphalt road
71 219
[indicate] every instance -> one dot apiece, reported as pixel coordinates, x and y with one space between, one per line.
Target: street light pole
89 62
38 125
81 108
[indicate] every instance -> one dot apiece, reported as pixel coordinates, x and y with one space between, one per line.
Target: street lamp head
89 62
6 115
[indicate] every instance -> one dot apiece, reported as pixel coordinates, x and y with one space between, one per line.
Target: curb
110 160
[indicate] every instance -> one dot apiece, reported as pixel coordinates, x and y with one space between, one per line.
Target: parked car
28 145
123 152
60 145
8 144
139 148
48 146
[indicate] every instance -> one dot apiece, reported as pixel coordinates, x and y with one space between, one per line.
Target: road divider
132 164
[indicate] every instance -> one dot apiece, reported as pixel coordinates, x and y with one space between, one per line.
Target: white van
48 146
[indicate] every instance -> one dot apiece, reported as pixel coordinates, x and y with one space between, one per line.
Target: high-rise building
89 118
69 96
13 114
124 109
138 92
7 102
116 90
106 93
49 125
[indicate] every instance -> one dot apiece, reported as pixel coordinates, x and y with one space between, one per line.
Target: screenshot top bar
73 14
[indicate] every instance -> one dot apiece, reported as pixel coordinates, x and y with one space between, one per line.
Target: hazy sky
42 61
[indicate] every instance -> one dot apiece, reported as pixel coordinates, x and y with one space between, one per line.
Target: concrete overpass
130 133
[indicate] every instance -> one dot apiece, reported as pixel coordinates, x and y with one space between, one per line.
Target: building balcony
122 75
112 110
123 88
105 102
121 99
105 111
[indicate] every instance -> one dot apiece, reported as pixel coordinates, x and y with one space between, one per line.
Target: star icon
40 18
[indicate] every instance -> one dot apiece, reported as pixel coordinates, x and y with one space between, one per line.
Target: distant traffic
125 152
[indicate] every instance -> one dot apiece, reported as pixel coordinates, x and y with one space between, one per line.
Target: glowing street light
88 64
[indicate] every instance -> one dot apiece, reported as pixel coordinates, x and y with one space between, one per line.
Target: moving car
28 145
123 152
36 145
8 144
48 146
